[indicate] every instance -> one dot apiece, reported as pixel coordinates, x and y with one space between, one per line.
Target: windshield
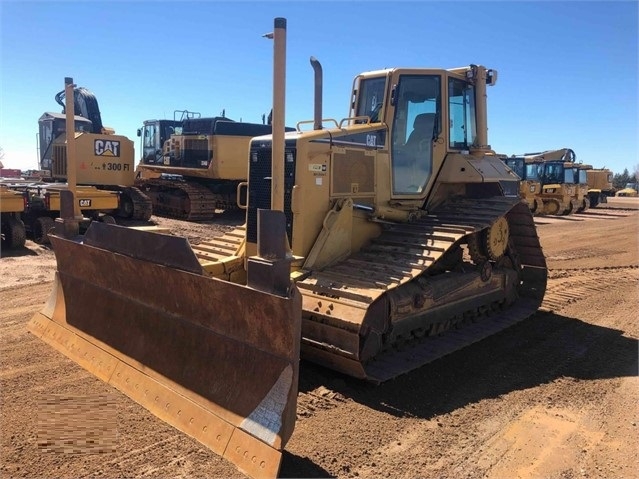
554 173
533 171
370 98
517 165
416 124
582 177
461 98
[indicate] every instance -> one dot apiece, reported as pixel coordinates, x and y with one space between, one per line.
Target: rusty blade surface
214 359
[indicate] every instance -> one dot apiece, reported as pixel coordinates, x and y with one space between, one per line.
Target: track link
142 204
185 200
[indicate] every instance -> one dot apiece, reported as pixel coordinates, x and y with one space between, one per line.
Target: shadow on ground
537 351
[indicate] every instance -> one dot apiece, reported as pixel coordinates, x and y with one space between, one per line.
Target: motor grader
372 245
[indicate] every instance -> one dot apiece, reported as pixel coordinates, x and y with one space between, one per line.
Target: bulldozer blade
218 361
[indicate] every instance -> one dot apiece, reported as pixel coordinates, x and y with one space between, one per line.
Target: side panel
101 160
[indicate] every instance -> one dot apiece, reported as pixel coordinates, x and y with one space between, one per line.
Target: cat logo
106 148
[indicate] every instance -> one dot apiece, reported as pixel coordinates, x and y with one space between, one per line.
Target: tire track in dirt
567 286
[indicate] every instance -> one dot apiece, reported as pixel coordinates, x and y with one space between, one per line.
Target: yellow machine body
11 201
89 198
101 159
372 246
562 188
198 170
12 229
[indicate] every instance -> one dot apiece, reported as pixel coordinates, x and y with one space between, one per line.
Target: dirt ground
556 396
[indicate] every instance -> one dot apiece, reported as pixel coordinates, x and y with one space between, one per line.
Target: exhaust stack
279 106
317 115
70 132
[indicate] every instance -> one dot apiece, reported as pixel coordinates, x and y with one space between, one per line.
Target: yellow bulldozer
530 183
106 161
630 190
372 245
560 192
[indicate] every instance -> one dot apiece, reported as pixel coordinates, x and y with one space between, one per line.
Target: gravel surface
555 396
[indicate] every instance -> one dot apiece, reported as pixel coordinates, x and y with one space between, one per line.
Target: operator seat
413 167
423 127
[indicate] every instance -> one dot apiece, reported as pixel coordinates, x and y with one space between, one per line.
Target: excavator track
185 200
142 204
377 292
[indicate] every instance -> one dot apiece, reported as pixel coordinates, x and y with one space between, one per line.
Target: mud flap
218 361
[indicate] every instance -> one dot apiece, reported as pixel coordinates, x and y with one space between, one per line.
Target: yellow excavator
196 169
372 245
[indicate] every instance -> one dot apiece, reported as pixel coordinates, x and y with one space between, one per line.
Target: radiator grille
59 161
260 188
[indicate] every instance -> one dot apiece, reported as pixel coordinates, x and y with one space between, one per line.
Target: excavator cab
153 135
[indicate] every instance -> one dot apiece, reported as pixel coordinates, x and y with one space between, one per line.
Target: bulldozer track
402 253
185 200
563 289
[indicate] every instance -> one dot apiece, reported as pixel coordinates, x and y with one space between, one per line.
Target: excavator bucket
218 361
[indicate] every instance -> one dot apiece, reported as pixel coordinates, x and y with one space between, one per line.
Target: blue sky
567 70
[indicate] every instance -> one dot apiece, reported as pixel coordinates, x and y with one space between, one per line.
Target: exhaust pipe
70 133
279 105
317 115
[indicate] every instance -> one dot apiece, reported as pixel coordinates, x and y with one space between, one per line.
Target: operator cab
417 104
51 126
556 172
155 132
153 135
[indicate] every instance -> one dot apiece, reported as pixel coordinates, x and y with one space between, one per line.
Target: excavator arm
86 106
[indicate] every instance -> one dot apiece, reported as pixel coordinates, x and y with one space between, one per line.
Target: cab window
371 97
461 104
416 124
